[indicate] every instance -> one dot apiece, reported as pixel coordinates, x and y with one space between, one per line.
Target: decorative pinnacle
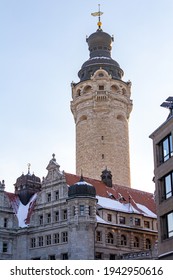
29 165
99 13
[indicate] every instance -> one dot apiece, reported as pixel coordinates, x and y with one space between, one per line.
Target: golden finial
99 13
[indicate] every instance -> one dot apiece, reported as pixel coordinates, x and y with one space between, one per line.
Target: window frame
166 144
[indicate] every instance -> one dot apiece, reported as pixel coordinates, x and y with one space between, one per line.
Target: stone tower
101 107
81 220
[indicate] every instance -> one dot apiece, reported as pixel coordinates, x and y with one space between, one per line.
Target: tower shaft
101 107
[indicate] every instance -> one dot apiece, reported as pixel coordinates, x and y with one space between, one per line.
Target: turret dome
81 188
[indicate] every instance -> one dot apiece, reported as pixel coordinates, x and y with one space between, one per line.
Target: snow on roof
124 207
24 212
146 210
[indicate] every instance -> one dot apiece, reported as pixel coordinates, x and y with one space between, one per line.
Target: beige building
101 107
163 171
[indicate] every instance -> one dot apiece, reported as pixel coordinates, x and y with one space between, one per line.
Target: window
65 256
56 195
65 214
33 242
40 241
5 222
165 227
103 156
98 256
56 216
112 257
56 238
109 217
98 236
51 257
110 238
168 185
148 244
146 224
101 87
137 222
41 220
165 149
123 240
48 239
170 224
82 207
48 197
5 247
48 218
122 220
136 242
64 236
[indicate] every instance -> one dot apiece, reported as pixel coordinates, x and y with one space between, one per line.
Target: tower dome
81 188
26 186
100 46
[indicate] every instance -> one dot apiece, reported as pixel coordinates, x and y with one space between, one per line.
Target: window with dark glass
33 242
98 256
146 224
40 241
98 236
109 217
56 195
40 219
136 241
56 238
5 247
148 244
110 238
101 87
137 222
48 218
65 214
65 256
51 257
48 197
122 220
56 216
123 240
64 236
5 222
165 149
48 239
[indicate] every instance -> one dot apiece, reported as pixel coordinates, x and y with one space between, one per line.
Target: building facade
163 171
67 216
75 218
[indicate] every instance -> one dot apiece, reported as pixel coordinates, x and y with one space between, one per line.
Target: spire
99 13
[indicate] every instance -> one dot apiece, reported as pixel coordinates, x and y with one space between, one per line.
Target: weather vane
98 14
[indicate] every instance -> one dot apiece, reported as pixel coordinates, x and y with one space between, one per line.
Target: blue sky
43 47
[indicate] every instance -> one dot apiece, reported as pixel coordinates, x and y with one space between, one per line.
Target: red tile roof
117 192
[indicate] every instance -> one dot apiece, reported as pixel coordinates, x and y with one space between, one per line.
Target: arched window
123 240
110 238
148 243
136 242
